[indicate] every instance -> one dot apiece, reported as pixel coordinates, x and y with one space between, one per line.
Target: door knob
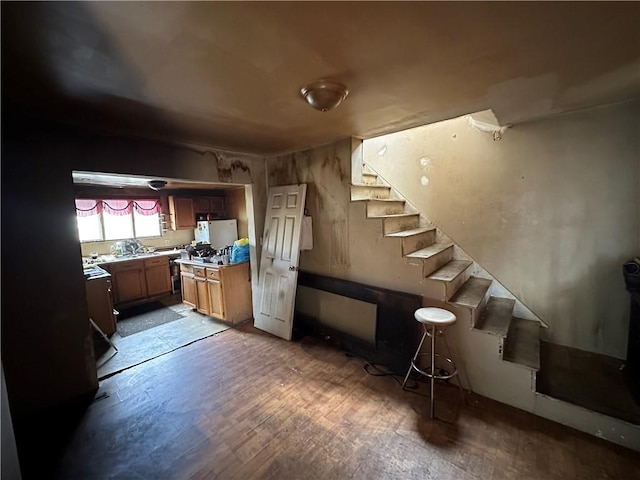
292 268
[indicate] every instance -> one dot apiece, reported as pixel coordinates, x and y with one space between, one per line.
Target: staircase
497 337
451 279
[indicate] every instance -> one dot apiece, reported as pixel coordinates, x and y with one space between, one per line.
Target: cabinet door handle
292 268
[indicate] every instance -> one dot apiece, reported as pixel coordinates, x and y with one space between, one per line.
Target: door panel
280 257
287 243
267 286
272 238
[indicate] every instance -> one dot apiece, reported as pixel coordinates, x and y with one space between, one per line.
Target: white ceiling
228 74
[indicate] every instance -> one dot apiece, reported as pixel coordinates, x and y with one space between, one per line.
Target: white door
279 262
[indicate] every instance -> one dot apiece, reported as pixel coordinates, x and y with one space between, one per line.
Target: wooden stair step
369 178
496 317
411 232
366 185
430 251
443 283
369 192
398 222
366 169
384 207
415 239
471 293
522 345
450 271
433 256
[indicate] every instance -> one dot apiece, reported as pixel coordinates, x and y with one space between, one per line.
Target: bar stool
434 321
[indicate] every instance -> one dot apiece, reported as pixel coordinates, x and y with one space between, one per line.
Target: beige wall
551 210
346 244
236 207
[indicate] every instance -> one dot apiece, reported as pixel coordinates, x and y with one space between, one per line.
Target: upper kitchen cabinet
214 205
182 213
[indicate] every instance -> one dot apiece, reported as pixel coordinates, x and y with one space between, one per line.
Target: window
116 219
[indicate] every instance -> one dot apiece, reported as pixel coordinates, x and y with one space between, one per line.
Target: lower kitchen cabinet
156 272
100 305
139 279
216 300
188 287
203 296
221 291
129 281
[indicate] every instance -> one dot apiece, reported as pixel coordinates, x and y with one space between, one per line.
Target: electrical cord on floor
411 384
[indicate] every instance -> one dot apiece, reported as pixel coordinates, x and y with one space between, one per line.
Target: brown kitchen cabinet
203 296
209 205
221 291
100 304
235 282
156 271
188 288
216 300
129 280
135 280
182 213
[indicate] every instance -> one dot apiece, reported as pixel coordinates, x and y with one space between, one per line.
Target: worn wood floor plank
244 405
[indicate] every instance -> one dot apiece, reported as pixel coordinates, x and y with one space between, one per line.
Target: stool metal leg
414 358
433 365
448 368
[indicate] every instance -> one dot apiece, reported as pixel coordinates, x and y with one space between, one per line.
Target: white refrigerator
217 233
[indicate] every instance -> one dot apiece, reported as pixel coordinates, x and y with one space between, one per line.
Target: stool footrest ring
427 373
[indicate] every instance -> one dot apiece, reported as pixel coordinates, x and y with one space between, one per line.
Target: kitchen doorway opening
134 281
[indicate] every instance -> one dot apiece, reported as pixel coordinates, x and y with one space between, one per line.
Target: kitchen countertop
205 264
105 259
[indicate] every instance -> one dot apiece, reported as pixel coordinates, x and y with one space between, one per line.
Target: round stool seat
435 316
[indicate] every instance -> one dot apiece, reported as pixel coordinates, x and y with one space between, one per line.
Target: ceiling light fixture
324 95
157 184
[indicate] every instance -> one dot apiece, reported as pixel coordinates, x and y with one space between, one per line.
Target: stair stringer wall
497 289
480 368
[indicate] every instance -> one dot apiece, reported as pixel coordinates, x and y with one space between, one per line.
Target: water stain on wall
226 169
339 244
332 162
314 198
327 178
284 171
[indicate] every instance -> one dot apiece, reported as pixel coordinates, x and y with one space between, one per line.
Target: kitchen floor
154 342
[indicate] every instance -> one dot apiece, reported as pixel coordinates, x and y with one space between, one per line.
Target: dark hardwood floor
245 405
